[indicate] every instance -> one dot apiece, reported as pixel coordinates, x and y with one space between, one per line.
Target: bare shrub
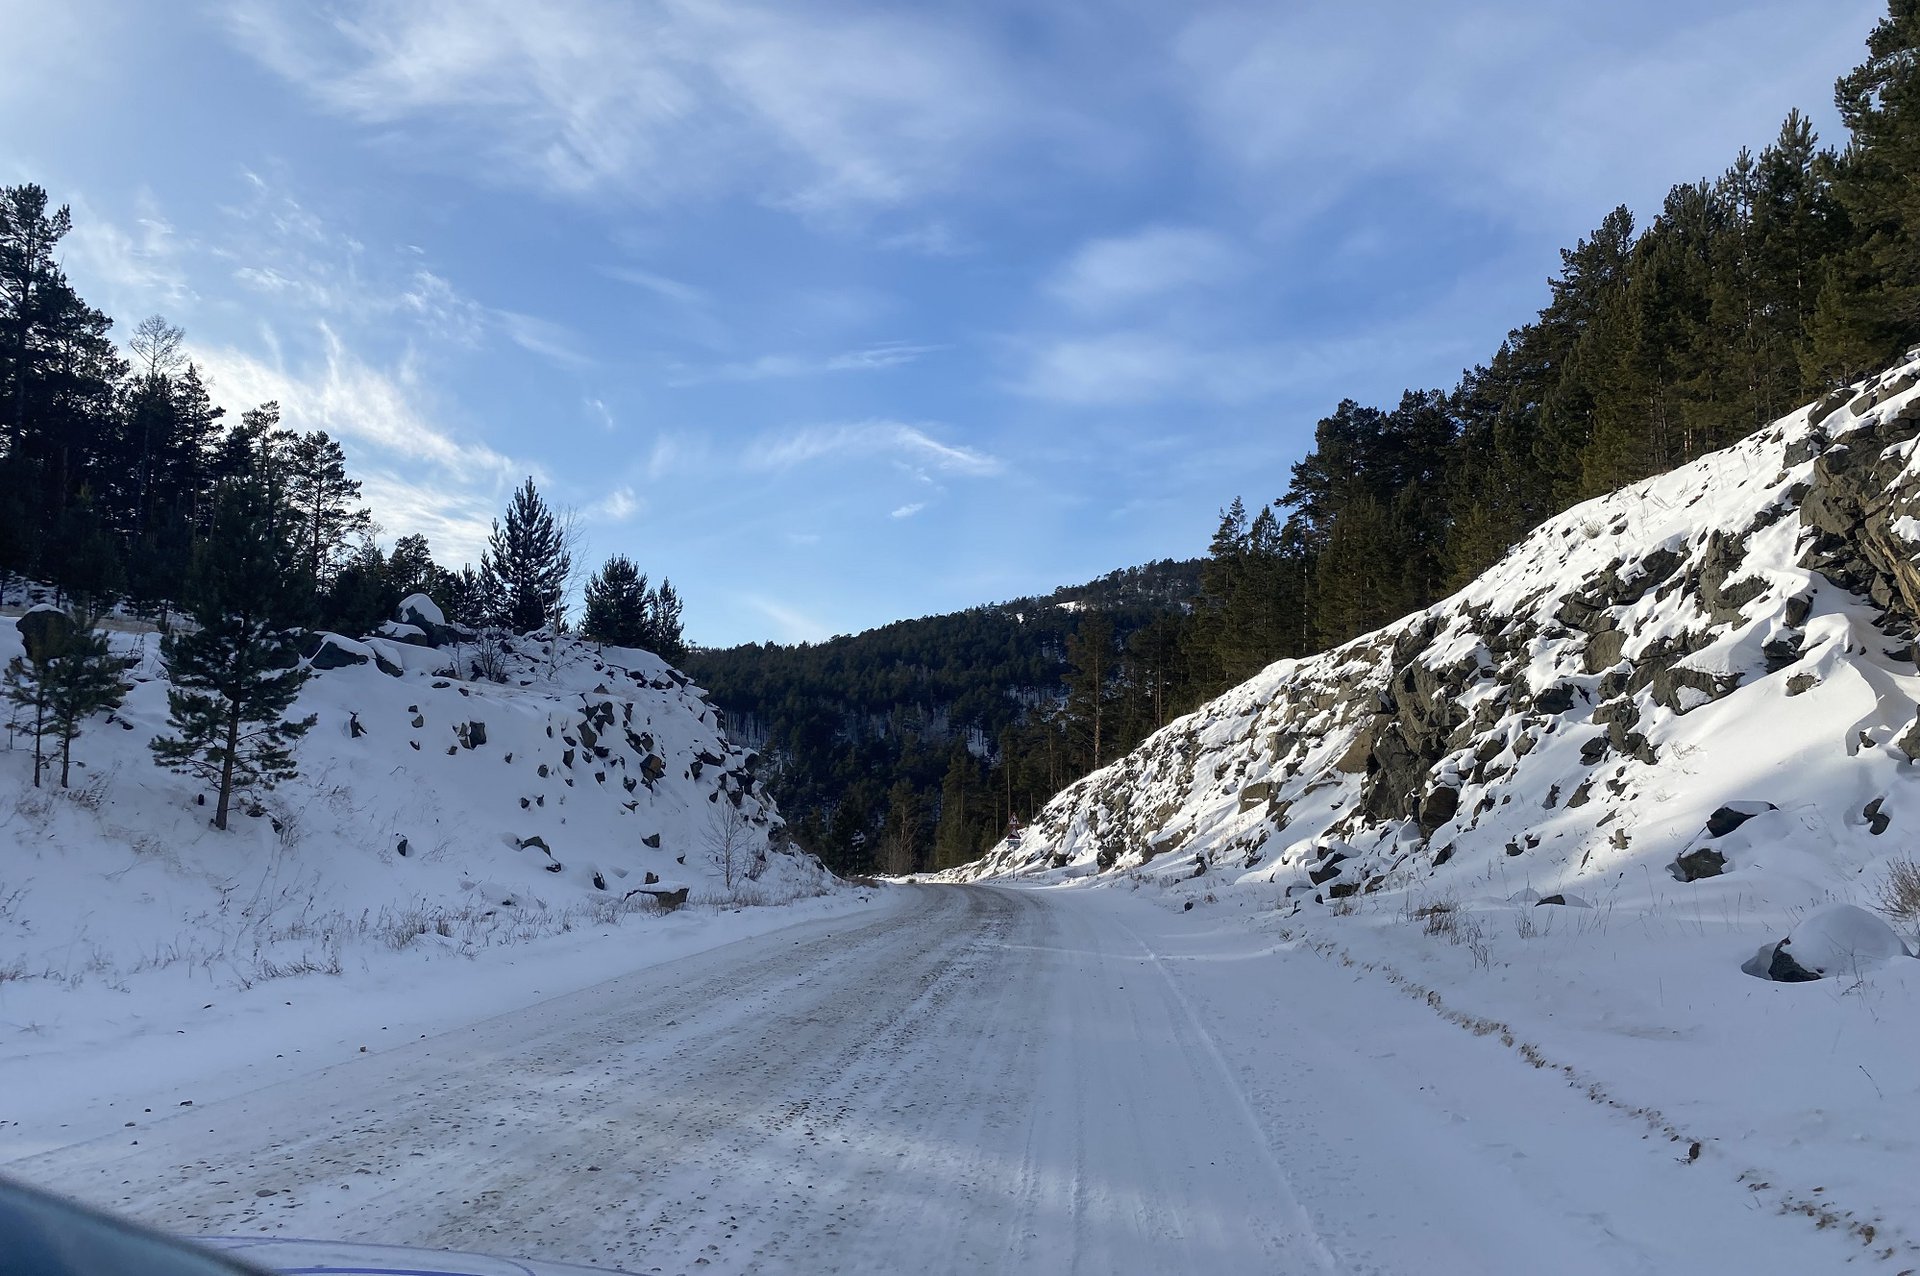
1444 919
34 804
1441 918
729 844
91 795
489 660
1898 893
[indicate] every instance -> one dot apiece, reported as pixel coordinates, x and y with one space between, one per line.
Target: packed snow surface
954 1079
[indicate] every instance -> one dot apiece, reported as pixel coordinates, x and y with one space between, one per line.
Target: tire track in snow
1249 1118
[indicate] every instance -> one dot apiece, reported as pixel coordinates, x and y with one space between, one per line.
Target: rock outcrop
1586 705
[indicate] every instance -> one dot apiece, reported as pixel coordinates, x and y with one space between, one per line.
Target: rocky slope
452 796
1707 674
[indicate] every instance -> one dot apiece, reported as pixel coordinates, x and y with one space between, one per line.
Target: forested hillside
910 745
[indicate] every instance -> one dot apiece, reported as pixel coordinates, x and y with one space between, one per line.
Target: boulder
1699 863
1839 939
1441 803
412 635
1909 743
335 652
1731 816
1829 404
1327 869
1556 699
420 611
1782 651
44 630
1604 650
1684 689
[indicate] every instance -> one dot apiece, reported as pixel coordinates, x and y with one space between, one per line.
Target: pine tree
1868 308
953 839
526 564
30 284
29 678
323 499
410 568
466 600
619 605
84 679
1590 273
235 676
1089 685
665 638
82 560
900 844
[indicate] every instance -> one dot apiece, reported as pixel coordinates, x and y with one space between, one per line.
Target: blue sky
839 313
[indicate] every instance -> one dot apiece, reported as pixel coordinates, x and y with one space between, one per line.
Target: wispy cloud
1530 108
1112 273
937 238
616 506
585 96
870 440
455 521
660 285
673 453
794 624
352 400
135 270
1129 367
1133 367
551 341
767 367
908 511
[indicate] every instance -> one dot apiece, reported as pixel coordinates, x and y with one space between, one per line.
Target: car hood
292 1257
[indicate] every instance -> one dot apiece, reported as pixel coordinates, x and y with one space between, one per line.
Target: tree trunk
39 733
226 764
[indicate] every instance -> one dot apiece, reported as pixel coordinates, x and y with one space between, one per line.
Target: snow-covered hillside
435 811
1738 633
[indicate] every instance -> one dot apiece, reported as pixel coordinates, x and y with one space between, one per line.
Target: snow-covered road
962 1079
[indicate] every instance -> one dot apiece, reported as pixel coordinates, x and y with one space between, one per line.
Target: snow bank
436 815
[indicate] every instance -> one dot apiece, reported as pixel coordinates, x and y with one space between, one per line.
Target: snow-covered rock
1717 662
1842 939
420 611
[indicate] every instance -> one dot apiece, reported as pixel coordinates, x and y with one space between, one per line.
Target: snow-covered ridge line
1737 629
